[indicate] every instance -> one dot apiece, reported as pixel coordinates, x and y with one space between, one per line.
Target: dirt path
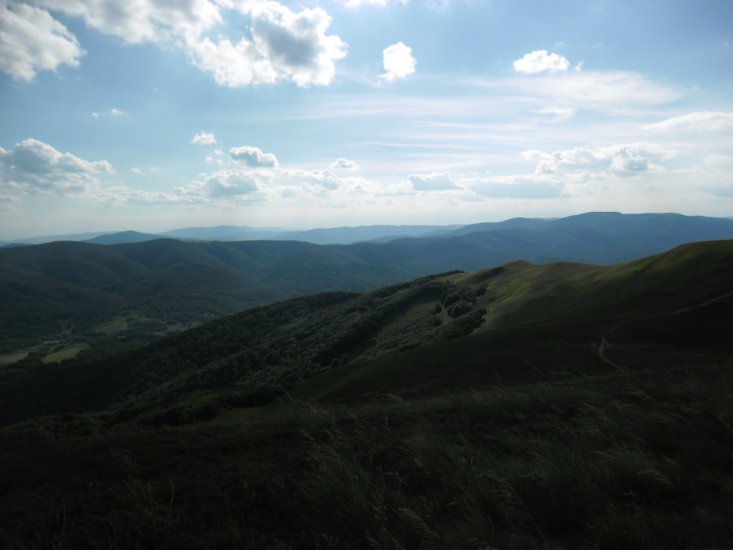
602 347
703 304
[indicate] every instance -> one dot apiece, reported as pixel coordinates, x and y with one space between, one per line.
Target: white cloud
230 183
398 62
279 44
284 46
136 171
698 122
560 113
343 164
718 159
516 187
204 138
114 112
253 156
31 41
539 61
8 201
142 20
614 92
35 166
432 182
619 159
379 3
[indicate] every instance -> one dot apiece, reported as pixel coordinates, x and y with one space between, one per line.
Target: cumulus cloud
31 40
204 138
253 156
620 159
698 122
284 46
230 183
539 61
432 182
35 166
142 20
279 44
343 164
398 62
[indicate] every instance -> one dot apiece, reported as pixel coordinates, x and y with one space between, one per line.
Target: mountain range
73 287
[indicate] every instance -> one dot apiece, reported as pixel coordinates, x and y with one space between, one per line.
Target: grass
617 461
13 357
66 352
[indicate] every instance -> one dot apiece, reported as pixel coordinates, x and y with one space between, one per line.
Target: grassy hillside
451 331
521 407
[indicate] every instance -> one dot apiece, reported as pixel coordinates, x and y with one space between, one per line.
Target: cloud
432 182
253 156
698 122
622 160
36 167
136 171
143 20
516 187
114 112
539 61
284 46
8 201
379 3
279 44
343 164
230 183
31 41
560 113
203 138
398 62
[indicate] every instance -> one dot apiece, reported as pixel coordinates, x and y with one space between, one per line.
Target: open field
66 352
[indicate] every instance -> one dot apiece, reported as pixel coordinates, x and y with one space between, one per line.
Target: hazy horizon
316 114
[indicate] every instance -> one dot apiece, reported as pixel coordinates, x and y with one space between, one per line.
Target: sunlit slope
556 320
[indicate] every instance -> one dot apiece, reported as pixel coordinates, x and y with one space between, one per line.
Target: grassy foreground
620 461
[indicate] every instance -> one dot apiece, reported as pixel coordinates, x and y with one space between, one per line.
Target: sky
158 114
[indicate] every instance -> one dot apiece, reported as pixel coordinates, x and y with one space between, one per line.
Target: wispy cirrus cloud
697 122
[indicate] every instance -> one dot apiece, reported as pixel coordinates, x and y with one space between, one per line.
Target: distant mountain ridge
228 233
80 285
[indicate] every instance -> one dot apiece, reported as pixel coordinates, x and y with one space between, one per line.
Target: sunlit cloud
398 62
539 61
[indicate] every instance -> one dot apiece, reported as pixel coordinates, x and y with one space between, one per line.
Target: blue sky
155 114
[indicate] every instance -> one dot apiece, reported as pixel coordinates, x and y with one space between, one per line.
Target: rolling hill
523 406
408 337
76 287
